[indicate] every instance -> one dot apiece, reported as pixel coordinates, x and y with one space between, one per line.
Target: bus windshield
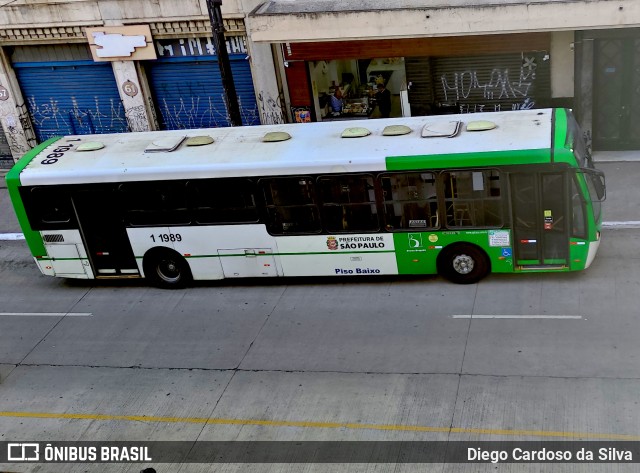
576 142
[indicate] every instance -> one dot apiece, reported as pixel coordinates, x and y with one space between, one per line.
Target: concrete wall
34 13
562 64
350 19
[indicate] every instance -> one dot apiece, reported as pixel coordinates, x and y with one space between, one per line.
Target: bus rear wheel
463 263
166 269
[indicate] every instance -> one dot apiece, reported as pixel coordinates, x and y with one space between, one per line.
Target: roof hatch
165 144
441 129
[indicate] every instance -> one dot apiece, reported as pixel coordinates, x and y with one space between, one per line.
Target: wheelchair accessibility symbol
506 252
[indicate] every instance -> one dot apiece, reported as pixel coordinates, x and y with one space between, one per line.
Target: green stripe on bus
283 254
463 160
561 128
32 237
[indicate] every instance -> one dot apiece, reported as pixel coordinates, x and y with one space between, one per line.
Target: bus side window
410 201
349 203
48 208
473 198
154 203
223 201
291 205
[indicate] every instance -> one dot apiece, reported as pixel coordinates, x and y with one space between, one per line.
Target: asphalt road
328 359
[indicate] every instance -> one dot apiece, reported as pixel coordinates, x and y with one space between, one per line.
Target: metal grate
54 238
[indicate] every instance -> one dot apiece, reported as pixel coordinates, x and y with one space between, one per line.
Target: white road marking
474 316
11 236
47 314
627 224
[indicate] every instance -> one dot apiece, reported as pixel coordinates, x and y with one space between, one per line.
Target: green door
540 220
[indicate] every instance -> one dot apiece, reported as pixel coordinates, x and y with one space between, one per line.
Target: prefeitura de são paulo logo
332 243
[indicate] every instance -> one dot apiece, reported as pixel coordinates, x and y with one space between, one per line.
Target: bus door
540 220
104 233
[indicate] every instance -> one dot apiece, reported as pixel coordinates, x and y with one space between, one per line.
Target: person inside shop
383 99
336 100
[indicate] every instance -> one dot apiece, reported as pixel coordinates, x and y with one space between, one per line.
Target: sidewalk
616 156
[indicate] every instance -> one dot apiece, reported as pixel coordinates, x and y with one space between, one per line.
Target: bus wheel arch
463 263
166 268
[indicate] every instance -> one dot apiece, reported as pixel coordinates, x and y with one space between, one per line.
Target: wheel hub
463 264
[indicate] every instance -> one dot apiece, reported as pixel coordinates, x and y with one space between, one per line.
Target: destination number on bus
57 153
166 237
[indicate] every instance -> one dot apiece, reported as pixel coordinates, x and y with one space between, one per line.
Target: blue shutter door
74 97
188 92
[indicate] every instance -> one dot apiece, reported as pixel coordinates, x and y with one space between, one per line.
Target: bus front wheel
166 269
463 263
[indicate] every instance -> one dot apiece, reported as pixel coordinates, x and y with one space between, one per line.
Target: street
514 357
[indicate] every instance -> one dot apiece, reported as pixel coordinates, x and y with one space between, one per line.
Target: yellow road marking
324 425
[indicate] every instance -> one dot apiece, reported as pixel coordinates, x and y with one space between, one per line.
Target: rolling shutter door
492 83
69 98
188 92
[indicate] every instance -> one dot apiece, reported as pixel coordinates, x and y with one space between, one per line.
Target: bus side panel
417 252
213 252
337 255
67 256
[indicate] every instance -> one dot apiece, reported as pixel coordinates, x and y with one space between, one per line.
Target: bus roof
314 148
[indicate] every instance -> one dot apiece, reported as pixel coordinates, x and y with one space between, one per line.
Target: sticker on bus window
499 238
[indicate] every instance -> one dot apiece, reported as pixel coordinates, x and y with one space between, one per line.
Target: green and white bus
458 195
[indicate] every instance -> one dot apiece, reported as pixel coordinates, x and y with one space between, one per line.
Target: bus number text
56 154
166 237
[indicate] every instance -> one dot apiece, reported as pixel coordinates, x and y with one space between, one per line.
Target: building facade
88 66
81 67
461 56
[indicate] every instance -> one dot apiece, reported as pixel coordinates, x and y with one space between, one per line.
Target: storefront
424 76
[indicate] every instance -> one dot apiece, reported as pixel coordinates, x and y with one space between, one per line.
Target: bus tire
463 263
166 268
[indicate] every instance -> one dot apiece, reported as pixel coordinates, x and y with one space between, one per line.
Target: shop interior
346 89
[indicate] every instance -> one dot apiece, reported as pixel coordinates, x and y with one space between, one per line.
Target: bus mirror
596 184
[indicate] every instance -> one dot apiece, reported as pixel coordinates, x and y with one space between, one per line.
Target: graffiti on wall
202 112
272 109
500 88
51 119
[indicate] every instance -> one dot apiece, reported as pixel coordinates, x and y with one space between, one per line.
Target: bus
455 195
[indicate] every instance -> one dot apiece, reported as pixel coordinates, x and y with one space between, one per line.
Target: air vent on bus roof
355 132
480 125
166 144
199 140
395 130
275 136
90 146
